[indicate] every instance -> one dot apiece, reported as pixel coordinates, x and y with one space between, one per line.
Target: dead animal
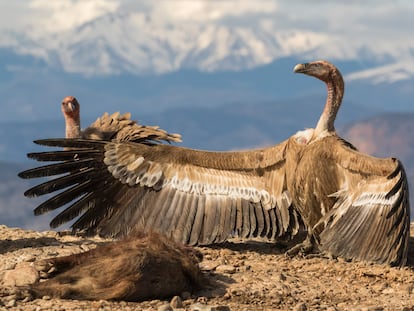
141 267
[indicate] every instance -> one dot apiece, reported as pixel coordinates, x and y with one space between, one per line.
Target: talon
305 247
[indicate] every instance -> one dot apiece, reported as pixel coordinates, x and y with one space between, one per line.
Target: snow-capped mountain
117 38
136 43
150 56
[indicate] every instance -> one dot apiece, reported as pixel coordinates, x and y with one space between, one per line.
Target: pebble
9 266
176 302
208 265
388 290
203 307
226 269
11 303
300 307
30 258
281 277
165 307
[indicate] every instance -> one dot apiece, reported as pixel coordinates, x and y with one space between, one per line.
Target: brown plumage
355 205
107 127
141 267
352 205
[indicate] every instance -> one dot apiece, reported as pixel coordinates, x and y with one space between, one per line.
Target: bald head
321 69
71 112
70 106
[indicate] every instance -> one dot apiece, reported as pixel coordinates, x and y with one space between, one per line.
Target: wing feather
198 222
370 219
193 196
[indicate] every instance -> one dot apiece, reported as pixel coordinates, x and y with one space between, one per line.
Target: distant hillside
237 126
388 135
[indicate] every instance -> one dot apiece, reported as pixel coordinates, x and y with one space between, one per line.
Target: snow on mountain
389 73
136 43
101 37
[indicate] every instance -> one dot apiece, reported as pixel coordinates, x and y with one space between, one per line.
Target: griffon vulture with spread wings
351 204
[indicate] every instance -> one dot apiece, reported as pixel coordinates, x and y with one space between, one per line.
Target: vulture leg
307 246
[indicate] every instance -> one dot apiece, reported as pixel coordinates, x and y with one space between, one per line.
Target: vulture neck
335 85
72 126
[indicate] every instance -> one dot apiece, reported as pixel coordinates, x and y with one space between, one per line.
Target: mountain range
139 60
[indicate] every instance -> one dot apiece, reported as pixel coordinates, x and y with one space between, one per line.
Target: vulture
350 204
107 127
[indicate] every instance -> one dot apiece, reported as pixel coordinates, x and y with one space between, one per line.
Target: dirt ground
239 276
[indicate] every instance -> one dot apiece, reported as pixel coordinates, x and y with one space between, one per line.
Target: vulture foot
303 248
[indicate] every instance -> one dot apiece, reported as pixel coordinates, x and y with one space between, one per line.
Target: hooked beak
301 68
71 106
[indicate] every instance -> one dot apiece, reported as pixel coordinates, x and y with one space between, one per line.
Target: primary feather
352 205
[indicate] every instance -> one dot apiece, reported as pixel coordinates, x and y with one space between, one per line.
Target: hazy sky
369 19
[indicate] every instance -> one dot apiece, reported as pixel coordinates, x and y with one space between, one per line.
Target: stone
208 265
176 302
165 307
23 274
300 307
226 269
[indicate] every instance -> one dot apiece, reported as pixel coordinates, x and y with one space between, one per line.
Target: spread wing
121 128
195 197
370 219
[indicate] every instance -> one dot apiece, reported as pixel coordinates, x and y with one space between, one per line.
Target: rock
23 274
300 307
203 307
225 269
388 290
11 303
199 307
9 266
165 307
208 265
176 302
281 277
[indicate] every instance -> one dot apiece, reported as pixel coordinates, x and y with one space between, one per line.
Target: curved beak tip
71 106
298 68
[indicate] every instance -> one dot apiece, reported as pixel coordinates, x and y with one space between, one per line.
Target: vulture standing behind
352 205
107 127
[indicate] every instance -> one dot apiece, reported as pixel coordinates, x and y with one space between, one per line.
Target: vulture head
70 107
321 69
71 113
328 73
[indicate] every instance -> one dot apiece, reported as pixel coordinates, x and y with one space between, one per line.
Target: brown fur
135 269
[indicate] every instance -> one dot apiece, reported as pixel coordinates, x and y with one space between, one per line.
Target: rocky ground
239 276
